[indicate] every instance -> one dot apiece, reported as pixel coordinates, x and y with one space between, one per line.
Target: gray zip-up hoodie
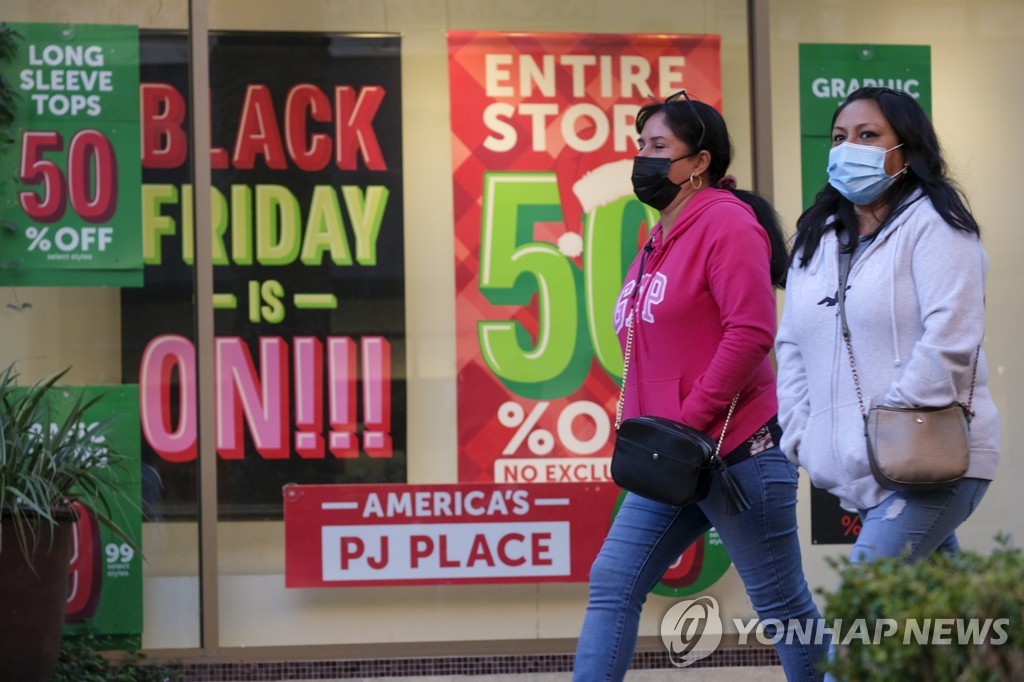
915 305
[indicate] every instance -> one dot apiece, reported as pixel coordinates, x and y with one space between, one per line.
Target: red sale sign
359 535
546 224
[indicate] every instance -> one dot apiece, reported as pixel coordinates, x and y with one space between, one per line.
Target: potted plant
53 458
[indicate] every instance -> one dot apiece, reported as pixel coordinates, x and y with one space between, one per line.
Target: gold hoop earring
700 178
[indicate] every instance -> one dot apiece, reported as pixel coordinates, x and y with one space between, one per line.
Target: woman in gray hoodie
915 307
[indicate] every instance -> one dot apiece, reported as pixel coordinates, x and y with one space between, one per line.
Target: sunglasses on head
682 94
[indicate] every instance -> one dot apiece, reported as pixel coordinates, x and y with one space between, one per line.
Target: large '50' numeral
574 307
91 183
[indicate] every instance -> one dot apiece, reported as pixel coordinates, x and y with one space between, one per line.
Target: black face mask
650 181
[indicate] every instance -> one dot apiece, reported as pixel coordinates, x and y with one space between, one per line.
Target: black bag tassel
735 497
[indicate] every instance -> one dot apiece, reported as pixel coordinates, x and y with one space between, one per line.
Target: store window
75 251
362 332
418 140
342 205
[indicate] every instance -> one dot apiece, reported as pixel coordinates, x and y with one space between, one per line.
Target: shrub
891 594
81 661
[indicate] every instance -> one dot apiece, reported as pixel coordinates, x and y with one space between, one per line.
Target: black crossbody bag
662 459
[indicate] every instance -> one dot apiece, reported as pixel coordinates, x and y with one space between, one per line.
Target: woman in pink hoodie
704 324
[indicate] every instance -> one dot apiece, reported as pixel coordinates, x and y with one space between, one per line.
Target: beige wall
976 48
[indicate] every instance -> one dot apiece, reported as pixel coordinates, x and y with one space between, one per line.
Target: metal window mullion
199 115
759 61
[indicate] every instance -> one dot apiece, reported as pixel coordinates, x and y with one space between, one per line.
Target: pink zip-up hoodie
706 309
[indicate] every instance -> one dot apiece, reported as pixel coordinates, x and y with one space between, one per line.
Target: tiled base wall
454 665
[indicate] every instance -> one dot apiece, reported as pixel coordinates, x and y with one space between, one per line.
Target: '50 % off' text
581 427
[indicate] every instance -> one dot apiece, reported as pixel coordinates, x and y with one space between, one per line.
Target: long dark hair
700 126
926 170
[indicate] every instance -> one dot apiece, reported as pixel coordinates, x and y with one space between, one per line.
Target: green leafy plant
50 458
8 95
943 593
8 101
81 661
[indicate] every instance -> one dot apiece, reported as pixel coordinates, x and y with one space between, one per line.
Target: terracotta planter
32 601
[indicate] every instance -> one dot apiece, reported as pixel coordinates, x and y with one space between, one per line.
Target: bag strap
844 273
628 352
631 320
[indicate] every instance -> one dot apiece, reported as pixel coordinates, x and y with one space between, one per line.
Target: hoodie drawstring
892 300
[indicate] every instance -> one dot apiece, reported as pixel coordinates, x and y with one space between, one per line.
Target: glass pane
315 106
83 211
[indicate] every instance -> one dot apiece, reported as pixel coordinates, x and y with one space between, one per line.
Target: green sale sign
829 72
105 582
71 176
105 578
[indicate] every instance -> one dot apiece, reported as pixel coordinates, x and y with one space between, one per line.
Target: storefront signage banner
69 175
363 535
105 582
828 73
546 224
308 255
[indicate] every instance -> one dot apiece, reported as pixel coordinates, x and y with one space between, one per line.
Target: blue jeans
647 536
918 523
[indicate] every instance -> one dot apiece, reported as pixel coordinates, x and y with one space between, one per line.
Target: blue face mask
858 171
